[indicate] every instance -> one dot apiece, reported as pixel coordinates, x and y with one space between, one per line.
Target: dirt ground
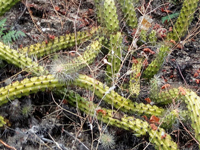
52 125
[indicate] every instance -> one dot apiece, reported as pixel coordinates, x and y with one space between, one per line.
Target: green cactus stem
193 105
99 11
159 137
62 42
65 71
143 36
2 122
5 5
20 60
134 84
110 16
111 97
167 96
114 56
171 118
185 17
129 12
152 37
27 87
157 63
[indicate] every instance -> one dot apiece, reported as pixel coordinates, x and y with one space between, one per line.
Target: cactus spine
5 5
184 20
68 71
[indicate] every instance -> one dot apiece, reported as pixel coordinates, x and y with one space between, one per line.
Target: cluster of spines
129 12
113 98
20 60
157 63
68 71
5 5
27 86
114 56
134 84
62 42
157 136
184 20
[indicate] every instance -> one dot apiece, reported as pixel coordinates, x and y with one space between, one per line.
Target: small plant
8 36
107 140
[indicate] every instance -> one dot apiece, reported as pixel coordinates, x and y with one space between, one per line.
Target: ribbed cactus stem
157 63
185 17
114 56
193 104
134 84
159 137
152 37
110 16
62 42
111 97
5 5
171 118
2 121
27 87
99 11
143 36
167 96
14 57
65 71
128 10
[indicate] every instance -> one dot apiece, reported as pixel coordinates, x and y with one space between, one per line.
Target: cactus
169 120
5 5
110 16
20 60
157 136
166 97
134 84
143 36
129 12
62 42
193 105
2 122
67 71
155 66
110 20
184 20
152 37
114 56
27 86
115 99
